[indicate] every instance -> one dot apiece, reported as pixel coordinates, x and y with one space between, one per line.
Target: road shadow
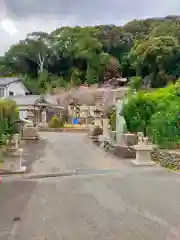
33 150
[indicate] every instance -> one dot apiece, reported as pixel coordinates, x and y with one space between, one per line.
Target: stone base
22 169
145 164
124 151
31 138
29 133
12 159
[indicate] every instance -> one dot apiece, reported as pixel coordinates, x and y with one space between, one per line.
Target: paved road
128 204
63 152
14 197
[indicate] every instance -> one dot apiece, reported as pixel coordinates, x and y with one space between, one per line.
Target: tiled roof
8 80
24 99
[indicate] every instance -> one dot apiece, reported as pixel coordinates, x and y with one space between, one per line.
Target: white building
35 105
11 87
14 89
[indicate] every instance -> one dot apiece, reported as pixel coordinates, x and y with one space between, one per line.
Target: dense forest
71 56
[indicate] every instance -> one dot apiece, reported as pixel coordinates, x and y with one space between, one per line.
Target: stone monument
123 140
143 152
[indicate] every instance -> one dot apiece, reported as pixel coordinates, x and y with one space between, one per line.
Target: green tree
153 55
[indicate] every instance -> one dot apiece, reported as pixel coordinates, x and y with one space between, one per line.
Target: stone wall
169 159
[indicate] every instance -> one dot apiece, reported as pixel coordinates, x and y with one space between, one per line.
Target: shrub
8 115
56 122
135 83
165 126
138 111
113 120
156 113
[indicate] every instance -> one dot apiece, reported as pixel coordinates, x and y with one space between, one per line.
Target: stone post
105 128
97 118
120 122
43 118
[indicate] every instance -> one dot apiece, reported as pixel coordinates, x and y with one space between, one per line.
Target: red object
1 178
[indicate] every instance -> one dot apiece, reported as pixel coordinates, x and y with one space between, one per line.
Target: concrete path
130 203
64 152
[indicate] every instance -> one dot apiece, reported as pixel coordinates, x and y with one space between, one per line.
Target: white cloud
29 16
9 26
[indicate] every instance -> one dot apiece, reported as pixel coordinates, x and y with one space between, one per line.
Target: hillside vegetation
71 56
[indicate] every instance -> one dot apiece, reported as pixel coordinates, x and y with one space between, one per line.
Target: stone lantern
98 117
71 107
30 114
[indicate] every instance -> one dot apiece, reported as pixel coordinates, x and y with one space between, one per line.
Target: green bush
113 120
8 115
56 122
165 127
138 111
135 83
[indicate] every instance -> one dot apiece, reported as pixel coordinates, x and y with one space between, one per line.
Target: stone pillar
105 128
112 137
38 117
120 122
97 118
85 115
43 118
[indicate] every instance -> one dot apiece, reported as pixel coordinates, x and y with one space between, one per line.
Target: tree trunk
40 63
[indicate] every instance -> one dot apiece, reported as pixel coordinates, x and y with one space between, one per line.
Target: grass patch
74 125
68 126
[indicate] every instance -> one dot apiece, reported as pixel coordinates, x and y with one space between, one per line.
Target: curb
47 175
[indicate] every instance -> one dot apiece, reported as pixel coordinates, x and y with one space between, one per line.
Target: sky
19 17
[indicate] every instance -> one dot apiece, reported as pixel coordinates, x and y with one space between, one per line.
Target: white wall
17 88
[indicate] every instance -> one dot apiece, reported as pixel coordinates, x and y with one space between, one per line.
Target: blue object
75 121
